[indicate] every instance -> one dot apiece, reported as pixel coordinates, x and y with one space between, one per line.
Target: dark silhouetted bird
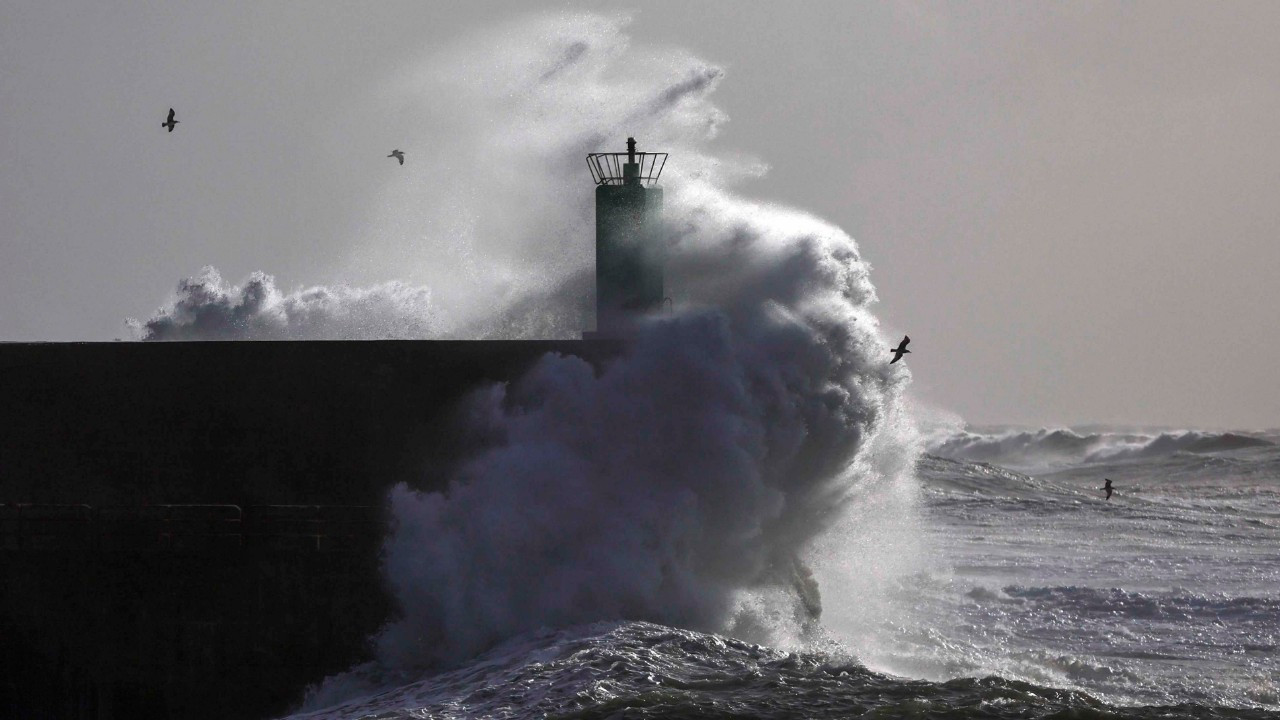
170 122
397 155
1108 487
901 350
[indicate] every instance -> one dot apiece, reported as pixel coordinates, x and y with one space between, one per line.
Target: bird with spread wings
901 350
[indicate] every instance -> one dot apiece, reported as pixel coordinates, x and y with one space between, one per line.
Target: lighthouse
630 244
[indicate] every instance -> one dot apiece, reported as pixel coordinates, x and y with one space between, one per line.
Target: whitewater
1043 600
738 516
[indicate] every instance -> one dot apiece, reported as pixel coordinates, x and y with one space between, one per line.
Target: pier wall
192 529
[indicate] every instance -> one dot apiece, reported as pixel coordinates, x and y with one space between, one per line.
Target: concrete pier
192 529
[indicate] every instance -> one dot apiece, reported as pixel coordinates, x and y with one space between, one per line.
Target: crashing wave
688 481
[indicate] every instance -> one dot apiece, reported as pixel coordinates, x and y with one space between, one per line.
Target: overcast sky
1071 208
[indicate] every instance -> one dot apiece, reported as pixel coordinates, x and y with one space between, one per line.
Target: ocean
1035 597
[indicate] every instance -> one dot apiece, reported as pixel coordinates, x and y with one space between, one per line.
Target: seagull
170 122
901 350
1108 488
397 154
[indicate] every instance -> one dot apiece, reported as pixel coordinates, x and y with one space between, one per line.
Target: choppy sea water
1044 600
1168 593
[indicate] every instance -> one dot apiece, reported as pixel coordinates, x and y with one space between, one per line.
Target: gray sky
1070 207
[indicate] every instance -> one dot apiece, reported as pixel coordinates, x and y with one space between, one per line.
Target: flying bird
170 122
397 154
901 350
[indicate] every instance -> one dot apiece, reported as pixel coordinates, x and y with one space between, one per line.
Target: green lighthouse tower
630 244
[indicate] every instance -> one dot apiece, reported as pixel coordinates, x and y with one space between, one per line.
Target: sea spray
206 307
493 217
683 481
687 480
688 474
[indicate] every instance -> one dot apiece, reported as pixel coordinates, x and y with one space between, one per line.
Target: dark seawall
193 529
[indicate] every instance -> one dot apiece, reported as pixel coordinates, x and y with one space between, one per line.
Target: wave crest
1046 448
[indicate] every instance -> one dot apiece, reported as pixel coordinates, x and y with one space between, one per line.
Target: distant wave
1041 449
1175 606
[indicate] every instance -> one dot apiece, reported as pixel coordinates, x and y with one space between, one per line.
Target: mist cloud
208 308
